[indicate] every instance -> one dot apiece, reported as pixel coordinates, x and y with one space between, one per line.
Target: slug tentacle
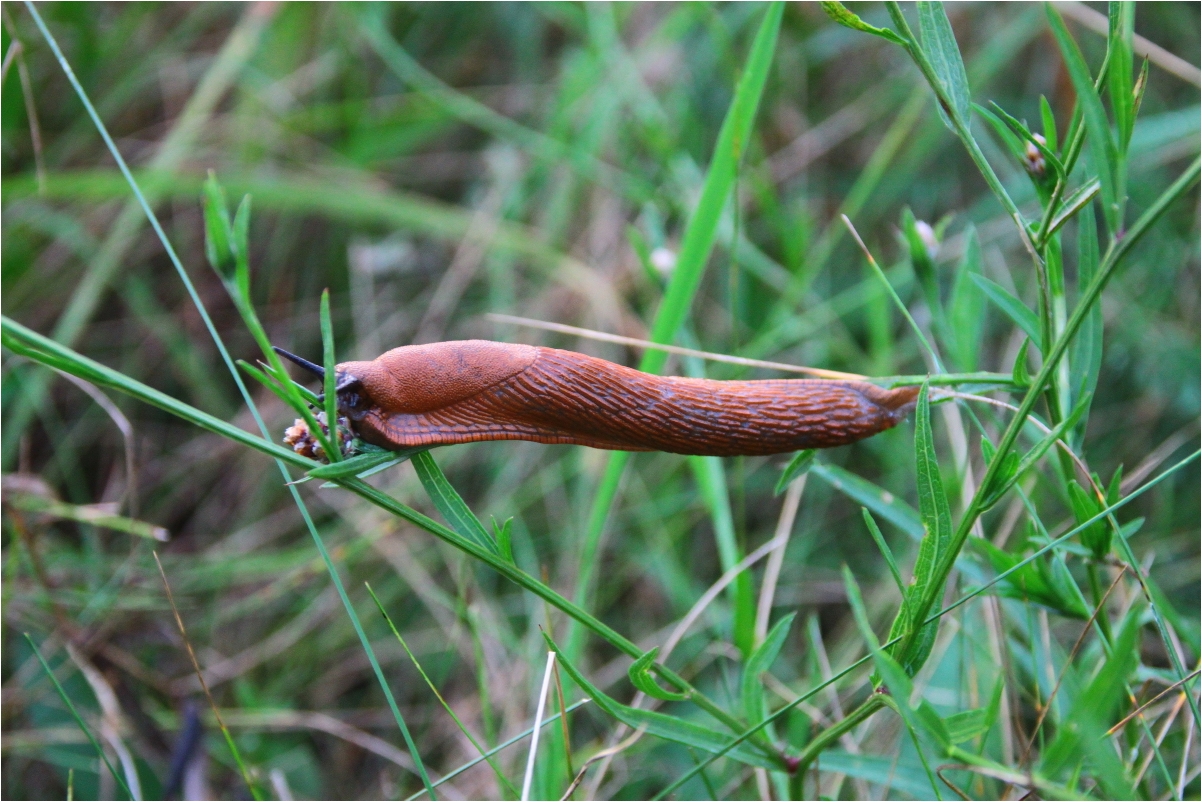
473 390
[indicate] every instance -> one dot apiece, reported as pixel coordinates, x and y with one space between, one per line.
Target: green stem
1075 137
1095 590
836 731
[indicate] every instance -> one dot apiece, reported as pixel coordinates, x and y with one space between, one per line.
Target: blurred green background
430 164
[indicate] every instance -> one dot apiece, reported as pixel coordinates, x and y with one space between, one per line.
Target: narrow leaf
449 503
1048 121
1073 204
932 501
918 639
1013 308
1103 150
241 235
640 677
875 531
218 232
840 14
1085 362
330 381
760 661
939 43
360 464
800 464
1118 73
893 509
503 534
1020 375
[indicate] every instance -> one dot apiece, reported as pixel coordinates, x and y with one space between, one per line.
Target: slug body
473 390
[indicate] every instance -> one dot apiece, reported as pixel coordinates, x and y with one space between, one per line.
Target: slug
472 390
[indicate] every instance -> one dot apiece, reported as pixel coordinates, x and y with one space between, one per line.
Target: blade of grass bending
183 275
538 717
237 50
492 752
450 711
964 600
229 739
45 351
696 246
78 718
893 295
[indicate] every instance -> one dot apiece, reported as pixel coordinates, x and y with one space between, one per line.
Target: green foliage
682 171
798 466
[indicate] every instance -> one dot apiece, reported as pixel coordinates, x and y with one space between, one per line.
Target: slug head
353 401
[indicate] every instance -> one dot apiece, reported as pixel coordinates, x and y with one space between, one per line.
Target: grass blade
450 503
940 45
1104 153
78 718
333 436
501 778
886 552
1013 308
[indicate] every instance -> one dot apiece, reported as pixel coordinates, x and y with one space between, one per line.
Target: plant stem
836 731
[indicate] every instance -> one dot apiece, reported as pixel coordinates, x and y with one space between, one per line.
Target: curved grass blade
501 778
78 718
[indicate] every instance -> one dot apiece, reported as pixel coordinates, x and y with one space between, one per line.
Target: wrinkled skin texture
473 390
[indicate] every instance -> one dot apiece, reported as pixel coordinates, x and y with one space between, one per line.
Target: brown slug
471 390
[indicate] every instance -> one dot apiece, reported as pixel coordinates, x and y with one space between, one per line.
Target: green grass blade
1086 357
1119 78
450 503
329 381
78 718
842 15
940 45
886 552
1016 310
800 464
760 661
1104 153
885 504
501 778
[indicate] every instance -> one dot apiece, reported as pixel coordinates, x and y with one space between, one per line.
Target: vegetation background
430 164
